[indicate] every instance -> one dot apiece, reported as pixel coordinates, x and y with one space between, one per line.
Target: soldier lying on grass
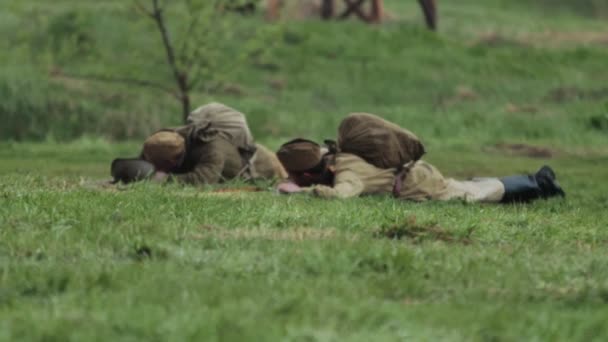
216 145
333 172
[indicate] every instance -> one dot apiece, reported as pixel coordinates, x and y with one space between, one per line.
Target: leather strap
400 176
398 183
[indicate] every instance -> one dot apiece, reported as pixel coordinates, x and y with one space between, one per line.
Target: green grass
149 262
169 262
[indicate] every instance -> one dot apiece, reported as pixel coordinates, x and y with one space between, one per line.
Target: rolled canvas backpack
227 122
379 142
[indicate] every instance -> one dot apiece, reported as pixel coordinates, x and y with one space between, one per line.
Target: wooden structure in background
373 14
355 7
429 8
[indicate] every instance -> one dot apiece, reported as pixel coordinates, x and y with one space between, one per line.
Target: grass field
501 89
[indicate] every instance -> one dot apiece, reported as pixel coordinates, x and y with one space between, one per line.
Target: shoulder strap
332 146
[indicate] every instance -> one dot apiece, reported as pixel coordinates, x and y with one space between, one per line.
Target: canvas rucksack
379 142
229 123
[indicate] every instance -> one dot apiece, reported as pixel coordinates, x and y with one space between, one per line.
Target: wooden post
377 10
327 9
354 7
430 13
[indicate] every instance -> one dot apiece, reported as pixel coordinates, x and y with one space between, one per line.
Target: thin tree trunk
180 77
185 107
327 9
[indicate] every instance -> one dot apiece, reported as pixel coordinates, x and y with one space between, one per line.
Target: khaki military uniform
217 146
211 158
228 123
265 165
209 162
419 181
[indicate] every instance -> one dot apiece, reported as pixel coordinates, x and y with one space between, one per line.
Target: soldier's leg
490 190
525 188
265 165
519 188
423 181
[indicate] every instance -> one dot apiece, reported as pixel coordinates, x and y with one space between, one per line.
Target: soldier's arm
208 170
346 184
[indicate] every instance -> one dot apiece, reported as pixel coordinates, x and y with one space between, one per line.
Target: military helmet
300 155
129 170
164 147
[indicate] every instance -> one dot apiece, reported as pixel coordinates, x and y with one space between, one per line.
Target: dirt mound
572 93
417 233
522 150
544 39
513 108
497 40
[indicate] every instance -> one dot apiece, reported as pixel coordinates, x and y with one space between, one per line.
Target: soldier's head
164 149
305 161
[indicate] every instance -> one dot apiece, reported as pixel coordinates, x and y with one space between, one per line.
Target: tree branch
142 9
180 77
124 80
157 14
182 49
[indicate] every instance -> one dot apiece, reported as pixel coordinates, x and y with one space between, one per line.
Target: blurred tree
209 24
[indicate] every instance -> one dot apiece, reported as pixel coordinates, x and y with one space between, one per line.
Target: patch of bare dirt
417 233
495 40
462 93
221 192
233 90
572 93
239 189
102 185
542 39
108 185
295 234
558 38
522 150
513 108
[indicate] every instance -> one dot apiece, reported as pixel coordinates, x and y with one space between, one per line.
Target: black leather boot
525 188
545 177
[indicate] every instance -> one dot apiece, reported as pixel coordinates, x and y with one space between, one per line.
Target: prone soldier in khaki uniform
185 156
215 146
334 174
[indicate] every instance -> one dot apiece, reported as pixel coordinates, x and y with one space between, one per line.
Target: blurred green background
496 71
